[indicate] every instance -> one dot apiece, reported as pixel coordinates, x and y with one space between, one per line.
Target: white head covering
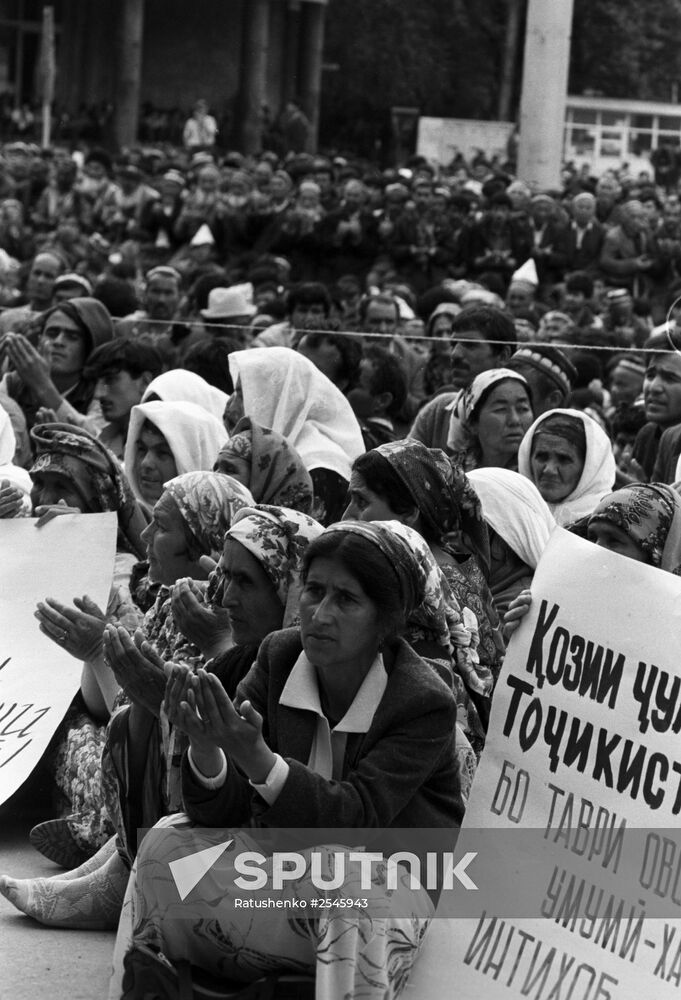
193 435
284 391
513 507
180 386
14 474
526 273
598 474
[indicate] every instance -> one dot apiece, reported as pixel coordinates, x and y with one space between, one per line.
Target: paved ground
37 962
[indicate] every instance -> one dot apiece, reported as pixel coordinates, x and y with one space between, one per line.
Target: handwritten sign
580 784
70 556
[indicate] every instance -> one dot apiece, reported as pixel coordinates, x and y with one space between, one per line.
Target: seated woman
641 521
257 582
166 440
189 523
569 458
426 489
268 465
520 525
279 388
180 386
338 724
52 376
74 468
489 420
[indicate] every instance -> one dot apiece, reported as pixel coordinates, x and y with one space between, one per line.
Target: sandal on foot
55 841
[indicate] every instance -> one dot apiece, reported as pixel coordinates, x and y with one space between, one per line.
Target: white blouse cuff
274 782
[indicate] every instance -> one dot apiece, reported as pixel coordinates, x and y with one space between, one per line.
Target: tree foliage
445 57
626 48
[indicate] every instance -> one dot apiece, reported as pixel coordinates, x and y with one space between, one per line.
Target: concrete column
542 105
311 50
291 51
129 62
252 88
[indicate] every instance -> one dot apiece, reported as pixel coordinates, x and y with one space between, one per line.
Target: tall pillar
542 104
128 78
252 88
311 50
291 51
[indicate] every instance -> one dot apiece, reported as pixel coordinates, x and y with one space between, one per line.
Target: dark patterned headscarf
410 569
208 503
278 475
95 475
442 493
278 538
650 514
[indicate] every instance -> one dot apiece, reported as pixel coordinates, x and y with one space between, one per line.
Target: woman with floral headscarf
489 420
641 521
424 488
268 465
137 758
338 724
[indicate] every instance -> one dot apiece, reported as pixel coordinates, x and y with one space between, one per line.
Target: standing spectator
585 235
200 131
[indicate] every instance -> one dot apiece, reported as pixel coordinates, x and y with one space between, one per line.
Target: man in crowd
122 370
483 337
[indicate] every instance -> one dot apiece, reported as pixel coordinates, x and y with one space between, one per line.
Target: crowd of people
338 412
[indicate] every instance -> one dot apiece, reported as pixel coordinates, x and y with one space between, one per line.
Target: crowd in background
338 412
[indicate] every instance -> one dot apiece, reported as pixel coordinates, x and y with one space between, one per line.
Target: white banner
71 555
580 789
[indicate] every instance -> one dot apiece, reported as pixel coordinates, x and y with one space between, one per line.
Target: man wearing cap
549 374
229 311
625 382
71 286
625 328
483 337
157 322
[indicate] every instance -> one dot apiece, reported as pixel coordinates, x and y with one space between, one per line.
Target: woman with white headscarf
166 440
280 389
520 524
569 458
181 386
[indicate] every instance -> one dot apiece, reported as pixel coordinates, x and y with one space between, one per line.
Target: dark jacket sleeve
403 767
